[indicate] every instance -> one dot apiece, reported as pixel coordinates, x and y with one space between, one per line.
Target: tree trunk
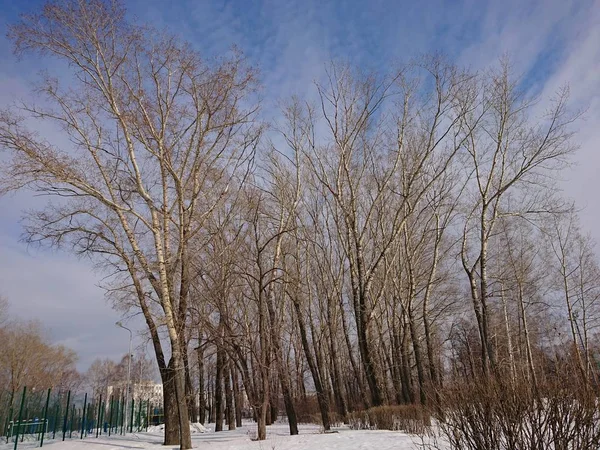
322 396
509 344
264 369
170 405
365 351
288 401
396 370
189 390
273 403
201 381
281 371
340 400
572 320
418 358
185 436
433 373
528 351
219 390
290 410
477 307
211 400
354 364
261 419
489 352
229 398
407 390
237 396
338 390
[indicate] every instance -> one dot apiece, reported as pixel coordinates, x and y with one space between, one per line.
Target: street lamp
119 324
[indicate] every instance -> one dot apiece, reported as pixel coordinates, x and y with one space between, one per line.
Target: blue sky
550 42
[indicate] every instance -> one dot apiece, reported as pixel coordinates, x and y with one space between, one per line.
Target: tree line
400 232
28 358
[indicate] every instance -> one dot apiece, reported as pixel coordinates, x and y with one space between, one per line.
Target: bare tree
154 136
27 358
101 374
520 275
509 155
337 252
384 136
577 284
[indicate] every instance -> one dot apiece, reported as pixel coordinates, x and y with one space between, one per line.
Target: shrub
307 410
412 419
495 415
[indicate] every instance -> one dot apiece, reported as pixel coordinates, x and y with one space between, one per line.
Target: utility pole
119 324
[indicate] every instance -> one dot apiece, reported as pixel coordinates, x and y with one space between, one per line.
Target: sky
550 42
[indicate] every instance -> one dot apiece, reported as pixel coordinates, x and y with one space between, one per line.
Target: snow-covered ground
278 438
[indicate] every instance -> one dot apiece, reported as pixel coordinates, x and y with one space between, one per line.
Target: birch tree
576 283
510 155
154 136
388 138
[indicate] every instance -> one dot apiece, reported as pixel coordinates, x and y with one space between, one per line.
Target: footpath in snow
278 438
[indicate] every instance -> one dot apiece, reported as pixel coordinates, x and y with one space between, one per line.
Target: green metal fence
28 415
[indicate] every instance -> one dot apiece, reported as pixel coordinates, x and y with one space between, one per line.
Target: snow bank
198 428
155 429
194 428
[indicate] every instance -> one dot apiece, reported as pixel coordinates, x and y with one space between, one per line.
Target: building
144 391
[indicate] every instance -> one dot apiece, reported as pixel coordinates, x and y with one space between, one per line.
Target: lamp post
119 324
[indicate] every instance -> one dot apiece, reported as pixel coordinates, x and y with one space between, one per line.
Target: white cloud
580 69
523 30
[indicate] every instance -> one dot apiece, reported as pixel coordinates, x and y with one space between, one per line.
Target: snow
159 429
310 438
198 428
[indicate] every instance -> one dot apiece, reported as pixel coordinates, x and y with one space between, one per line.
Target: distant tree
27 358
103 373
3 310
143 368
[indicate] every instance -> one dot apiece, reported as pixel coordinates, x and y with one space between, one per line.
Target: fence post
55 422
102 412
139 417
148 414
20 416
45 418
118 414
123 414
72 421
131 416
83 417
98 418
21 425
110 421
66 416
